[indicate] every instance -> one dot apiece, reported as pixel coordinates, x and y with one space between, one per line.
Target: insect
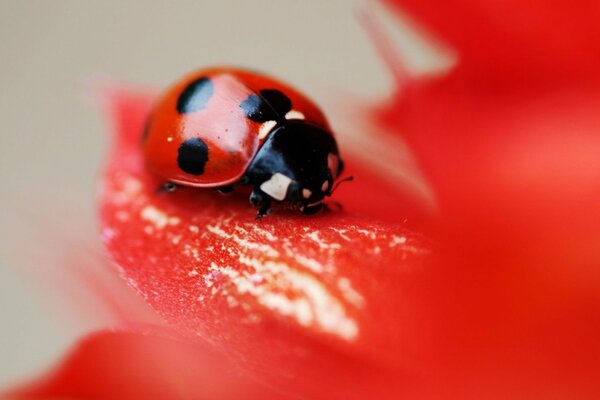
222 127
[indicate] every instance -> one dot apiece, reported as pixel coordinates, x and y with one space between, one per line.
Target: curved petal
322 305
142 366
515 168
508 41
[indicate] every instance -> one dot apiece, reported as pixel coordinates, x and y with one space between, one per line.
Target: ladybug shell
199 135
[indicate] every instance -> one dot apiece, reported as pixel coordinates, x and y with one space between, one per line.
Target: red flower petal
338 306
505 41
323 305
127 365
515 167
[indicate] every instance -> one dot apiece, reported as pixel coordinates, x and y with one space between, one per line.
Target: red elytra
207 104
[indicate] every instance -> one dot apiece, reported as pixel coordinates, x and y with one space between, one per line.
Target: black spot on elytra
271 105
257 109
195 96
279 101
192 156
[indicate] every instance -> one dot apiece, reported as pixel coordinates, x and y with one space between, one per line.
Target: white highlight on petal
365 232
279 278
244 243
314 236
128 189
264 233
396 240
307 300
294 114
265 129
350 293
342 233
277 186
306 193
309 263
158 217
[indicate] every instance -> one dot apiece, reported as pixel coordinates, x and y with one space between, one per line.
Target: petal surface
323 306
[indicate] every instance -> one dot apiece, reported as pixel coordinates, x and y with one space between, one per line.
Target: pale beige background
52 140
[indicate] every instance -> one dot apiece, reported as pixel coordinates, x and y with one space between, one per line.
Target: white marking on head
325 186
306 193
277 186
333 163
265 129
293 114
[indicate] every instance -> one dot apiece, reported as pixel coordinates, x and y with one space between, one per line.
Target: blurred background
52 139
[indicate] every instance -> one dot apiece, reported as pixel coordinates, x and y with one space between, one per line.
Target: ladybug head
298 162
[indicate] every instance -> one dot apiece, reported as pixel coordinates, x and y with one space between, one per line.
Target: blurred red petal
477 146
509 40
515 168
323 305
142 365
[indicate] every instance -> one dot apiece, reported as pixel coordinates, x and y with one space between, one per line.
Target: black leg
167 187
225 189
264 210
260 200
312 209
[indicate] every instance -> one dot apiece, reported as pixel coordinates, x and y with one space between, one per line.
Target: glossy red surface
232 138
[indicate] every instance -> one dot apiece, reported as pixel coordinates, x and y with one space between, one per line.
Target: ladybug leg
260 200
225 189
264 210
312 209
167 187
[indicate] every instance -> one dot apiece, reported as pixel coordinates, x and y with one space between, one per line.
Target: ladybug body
221 127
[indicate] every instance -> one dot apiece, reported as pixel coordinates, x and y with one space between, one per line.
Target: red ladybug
220 127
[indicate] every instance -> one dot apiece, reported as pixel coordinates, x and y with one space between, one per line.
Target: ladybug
222 127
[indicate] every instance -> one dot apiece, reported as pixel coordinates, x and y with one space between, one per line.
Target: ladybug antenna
346 179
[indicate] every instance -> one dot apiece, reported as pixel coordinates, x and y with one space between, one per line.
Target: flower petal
143 365
307 303
515 168
507 40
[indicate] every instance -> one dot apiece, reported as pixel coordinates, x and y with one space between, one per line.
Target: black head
298 163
